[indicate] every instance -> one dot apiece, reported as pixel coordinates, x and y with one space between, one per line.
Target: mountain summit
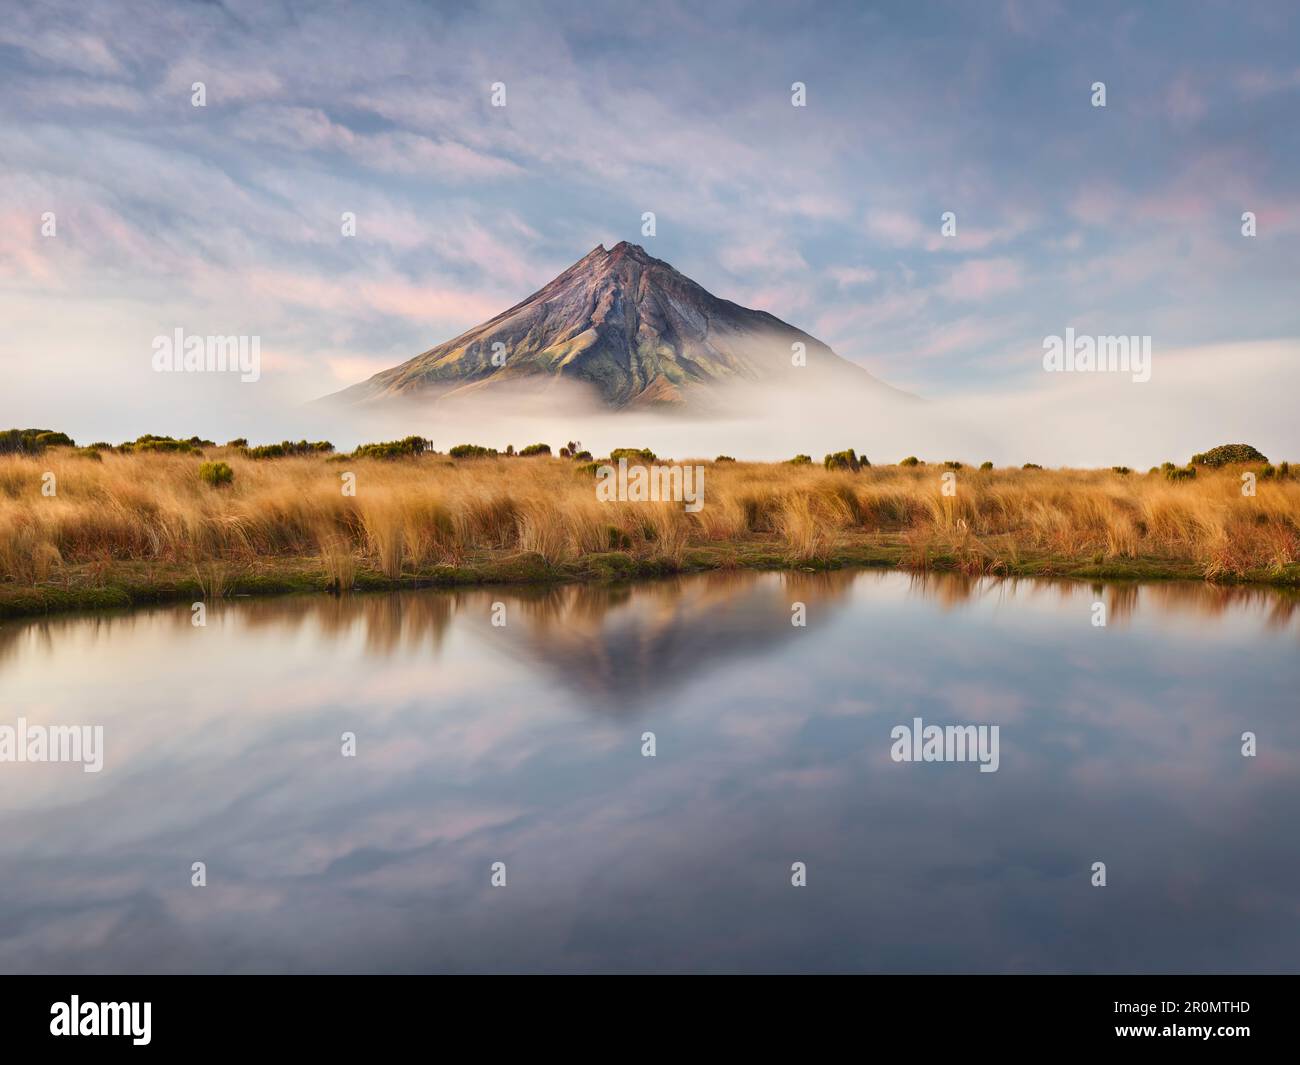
633 329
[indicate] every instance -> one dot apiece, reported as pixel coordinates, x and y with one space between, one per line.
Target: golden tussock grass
410 515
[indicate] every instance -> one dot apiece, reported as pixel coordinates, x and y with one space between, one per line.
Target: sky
226 219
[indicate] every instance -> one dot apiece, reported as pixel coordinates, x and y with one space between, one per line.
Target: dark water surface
522 744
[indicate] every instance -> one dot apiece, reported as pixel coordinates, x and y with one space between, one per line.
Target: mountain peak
631 327
622 250
631 251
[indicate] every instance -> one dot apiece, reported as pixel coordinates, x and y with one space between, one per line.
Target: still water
522 744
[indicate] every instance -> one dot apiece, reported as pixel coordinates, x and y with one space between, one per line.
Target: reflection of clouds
773 744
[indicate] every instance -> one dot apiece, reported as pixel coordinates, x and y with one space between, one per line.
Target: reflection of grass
135 527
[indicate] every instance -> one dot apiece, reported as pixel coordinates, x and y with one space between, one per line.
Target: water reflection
521 743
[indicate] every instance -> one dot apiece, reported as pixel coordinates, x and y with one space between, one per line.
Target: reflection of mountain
617 647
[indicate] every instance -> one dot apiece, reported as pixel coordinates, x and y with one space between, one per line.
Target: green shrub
534 449
287 448
216 473
239 441
472 451
1186 473
1267 471
1284 470
1227 454
724 458
640 454
31 441
155 444
407 447
152 442
88 453
952 464
911 460
800 460
1124 471
986 466
1031 466
842 460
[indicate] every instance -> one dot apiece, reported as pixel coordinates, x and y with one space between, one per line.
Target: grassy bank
129 528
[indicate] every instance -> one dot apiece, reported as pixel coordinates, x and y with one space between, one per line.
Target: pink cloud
896 228
901 230
23 257
351 368
981 279
848 276
964 334
423 302
418 301
898 306
1095 204
762 255
1263 81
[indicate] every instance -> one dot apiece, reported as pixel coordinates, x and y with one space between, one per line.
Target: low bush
31 441
407 447
1227 454
286 449
216 473
472 451
161 444
842 460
